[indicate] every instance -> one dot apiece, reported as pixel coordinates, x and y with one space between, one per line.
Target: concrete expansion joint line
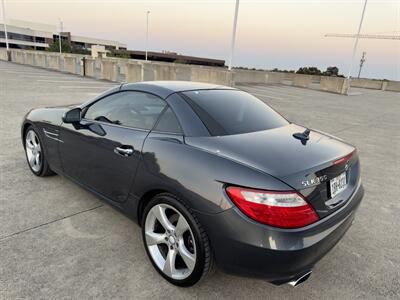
356 125
50 222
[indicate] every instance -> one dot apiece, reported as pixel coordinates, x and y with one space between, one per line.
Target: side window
132 109
168 122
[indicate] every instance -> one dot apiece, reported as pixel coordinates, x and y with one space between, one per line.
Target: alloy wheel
33 151
170 241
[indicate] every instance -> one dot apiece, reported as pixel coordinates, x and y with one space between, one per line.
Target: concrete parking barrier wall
70 65
254 76
108 70
393 86
338 85
164 72
276 78
316 78
384 85
249 76
183 72
287 78
120 71
133 72
115 69
40 60
3 54
366 84
29 58
302 80
54 62
211 75
130 70
18 57
89 67
97 68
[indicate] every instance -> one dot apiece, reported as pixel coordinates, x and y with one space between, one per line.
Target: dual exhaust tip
299 280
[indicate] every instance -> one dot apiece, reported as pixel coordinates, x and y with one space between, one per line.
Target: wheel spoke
37 159
159 212
31 159
187 257
30 137
153 238
29 140
29 143
169 266
33 139
181 226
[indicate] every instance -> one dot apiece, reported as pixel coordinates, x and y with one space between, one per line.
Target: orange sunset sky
281 34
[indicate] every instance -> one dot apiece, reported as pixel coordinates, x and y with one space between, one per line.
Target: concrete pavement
59 241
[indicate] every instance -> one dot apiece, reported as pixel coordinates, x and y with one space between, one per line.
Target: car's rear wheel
35 154
175 241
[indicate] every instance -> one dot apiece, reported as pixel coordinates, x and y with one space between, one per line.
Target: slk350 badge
314 181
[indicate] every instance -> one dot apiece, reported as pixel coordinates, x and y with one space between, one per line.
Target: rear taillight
279 209
344 158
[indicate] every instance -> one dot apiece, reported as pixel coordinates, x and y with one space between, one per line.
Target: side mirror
72 116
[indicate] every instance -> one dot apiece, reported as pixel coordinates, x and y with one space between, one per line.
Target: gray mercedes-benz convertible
211 174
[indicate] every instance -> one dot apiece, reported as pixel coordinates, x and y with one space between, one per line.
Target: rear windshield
227 112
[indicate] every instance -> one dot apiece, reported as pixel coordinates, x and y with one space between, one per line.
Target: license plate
338 184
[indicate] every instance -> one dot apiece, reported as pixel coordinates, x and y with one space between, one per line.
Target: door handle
124 150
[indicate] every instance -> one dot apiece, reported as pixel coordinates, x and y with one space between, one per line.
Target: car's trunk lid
306 166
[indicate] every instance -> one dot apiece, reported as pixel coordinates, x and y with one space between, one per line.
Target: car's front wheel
175 241
35 154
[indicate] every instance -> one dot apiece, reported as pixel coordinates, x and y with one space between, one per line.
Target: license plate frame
338 184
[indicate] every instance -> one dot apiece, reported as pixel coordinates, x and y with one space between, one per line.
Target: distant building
38 36
168 56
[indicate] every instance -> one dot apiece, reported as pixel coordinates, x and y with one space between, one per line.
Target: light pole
356 41
59 35
233 35
147 30
5 23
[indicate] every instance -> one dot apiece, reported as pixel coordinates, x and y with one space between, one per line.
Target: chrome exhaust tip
299 280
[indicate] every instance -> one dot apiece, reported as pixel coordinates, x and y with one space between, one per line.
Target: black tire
204 259
44 169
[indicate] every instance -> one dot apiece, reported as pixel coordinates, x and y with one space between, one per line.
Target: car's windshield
227 112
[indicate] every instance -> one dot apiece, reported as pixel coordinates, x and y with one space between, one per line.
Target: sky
270 34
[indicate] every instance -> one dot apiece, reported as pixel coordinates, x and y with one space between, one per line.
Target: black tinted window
168 122
133 109
226 112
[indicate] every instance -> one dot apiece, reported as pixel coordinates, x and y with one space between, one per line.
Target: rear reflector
344 158
278 209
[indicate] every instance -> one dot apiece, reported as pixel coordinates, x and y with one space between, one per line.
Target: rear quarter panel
196 176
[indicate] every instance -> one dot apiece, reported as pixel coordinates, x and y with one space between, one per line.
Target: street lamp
59 34
5 23
356 41
147 30
233 35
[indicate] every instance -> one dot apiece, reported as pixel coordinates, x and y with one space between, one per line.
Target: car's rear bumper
244 247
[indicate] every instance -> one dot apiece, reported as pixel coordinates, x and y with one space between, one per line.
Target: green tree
80 51
55 47
331 71
282 71
309 71
119 53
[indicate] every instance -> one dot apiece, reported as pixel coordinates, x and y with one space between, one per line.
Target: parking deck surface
59 241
